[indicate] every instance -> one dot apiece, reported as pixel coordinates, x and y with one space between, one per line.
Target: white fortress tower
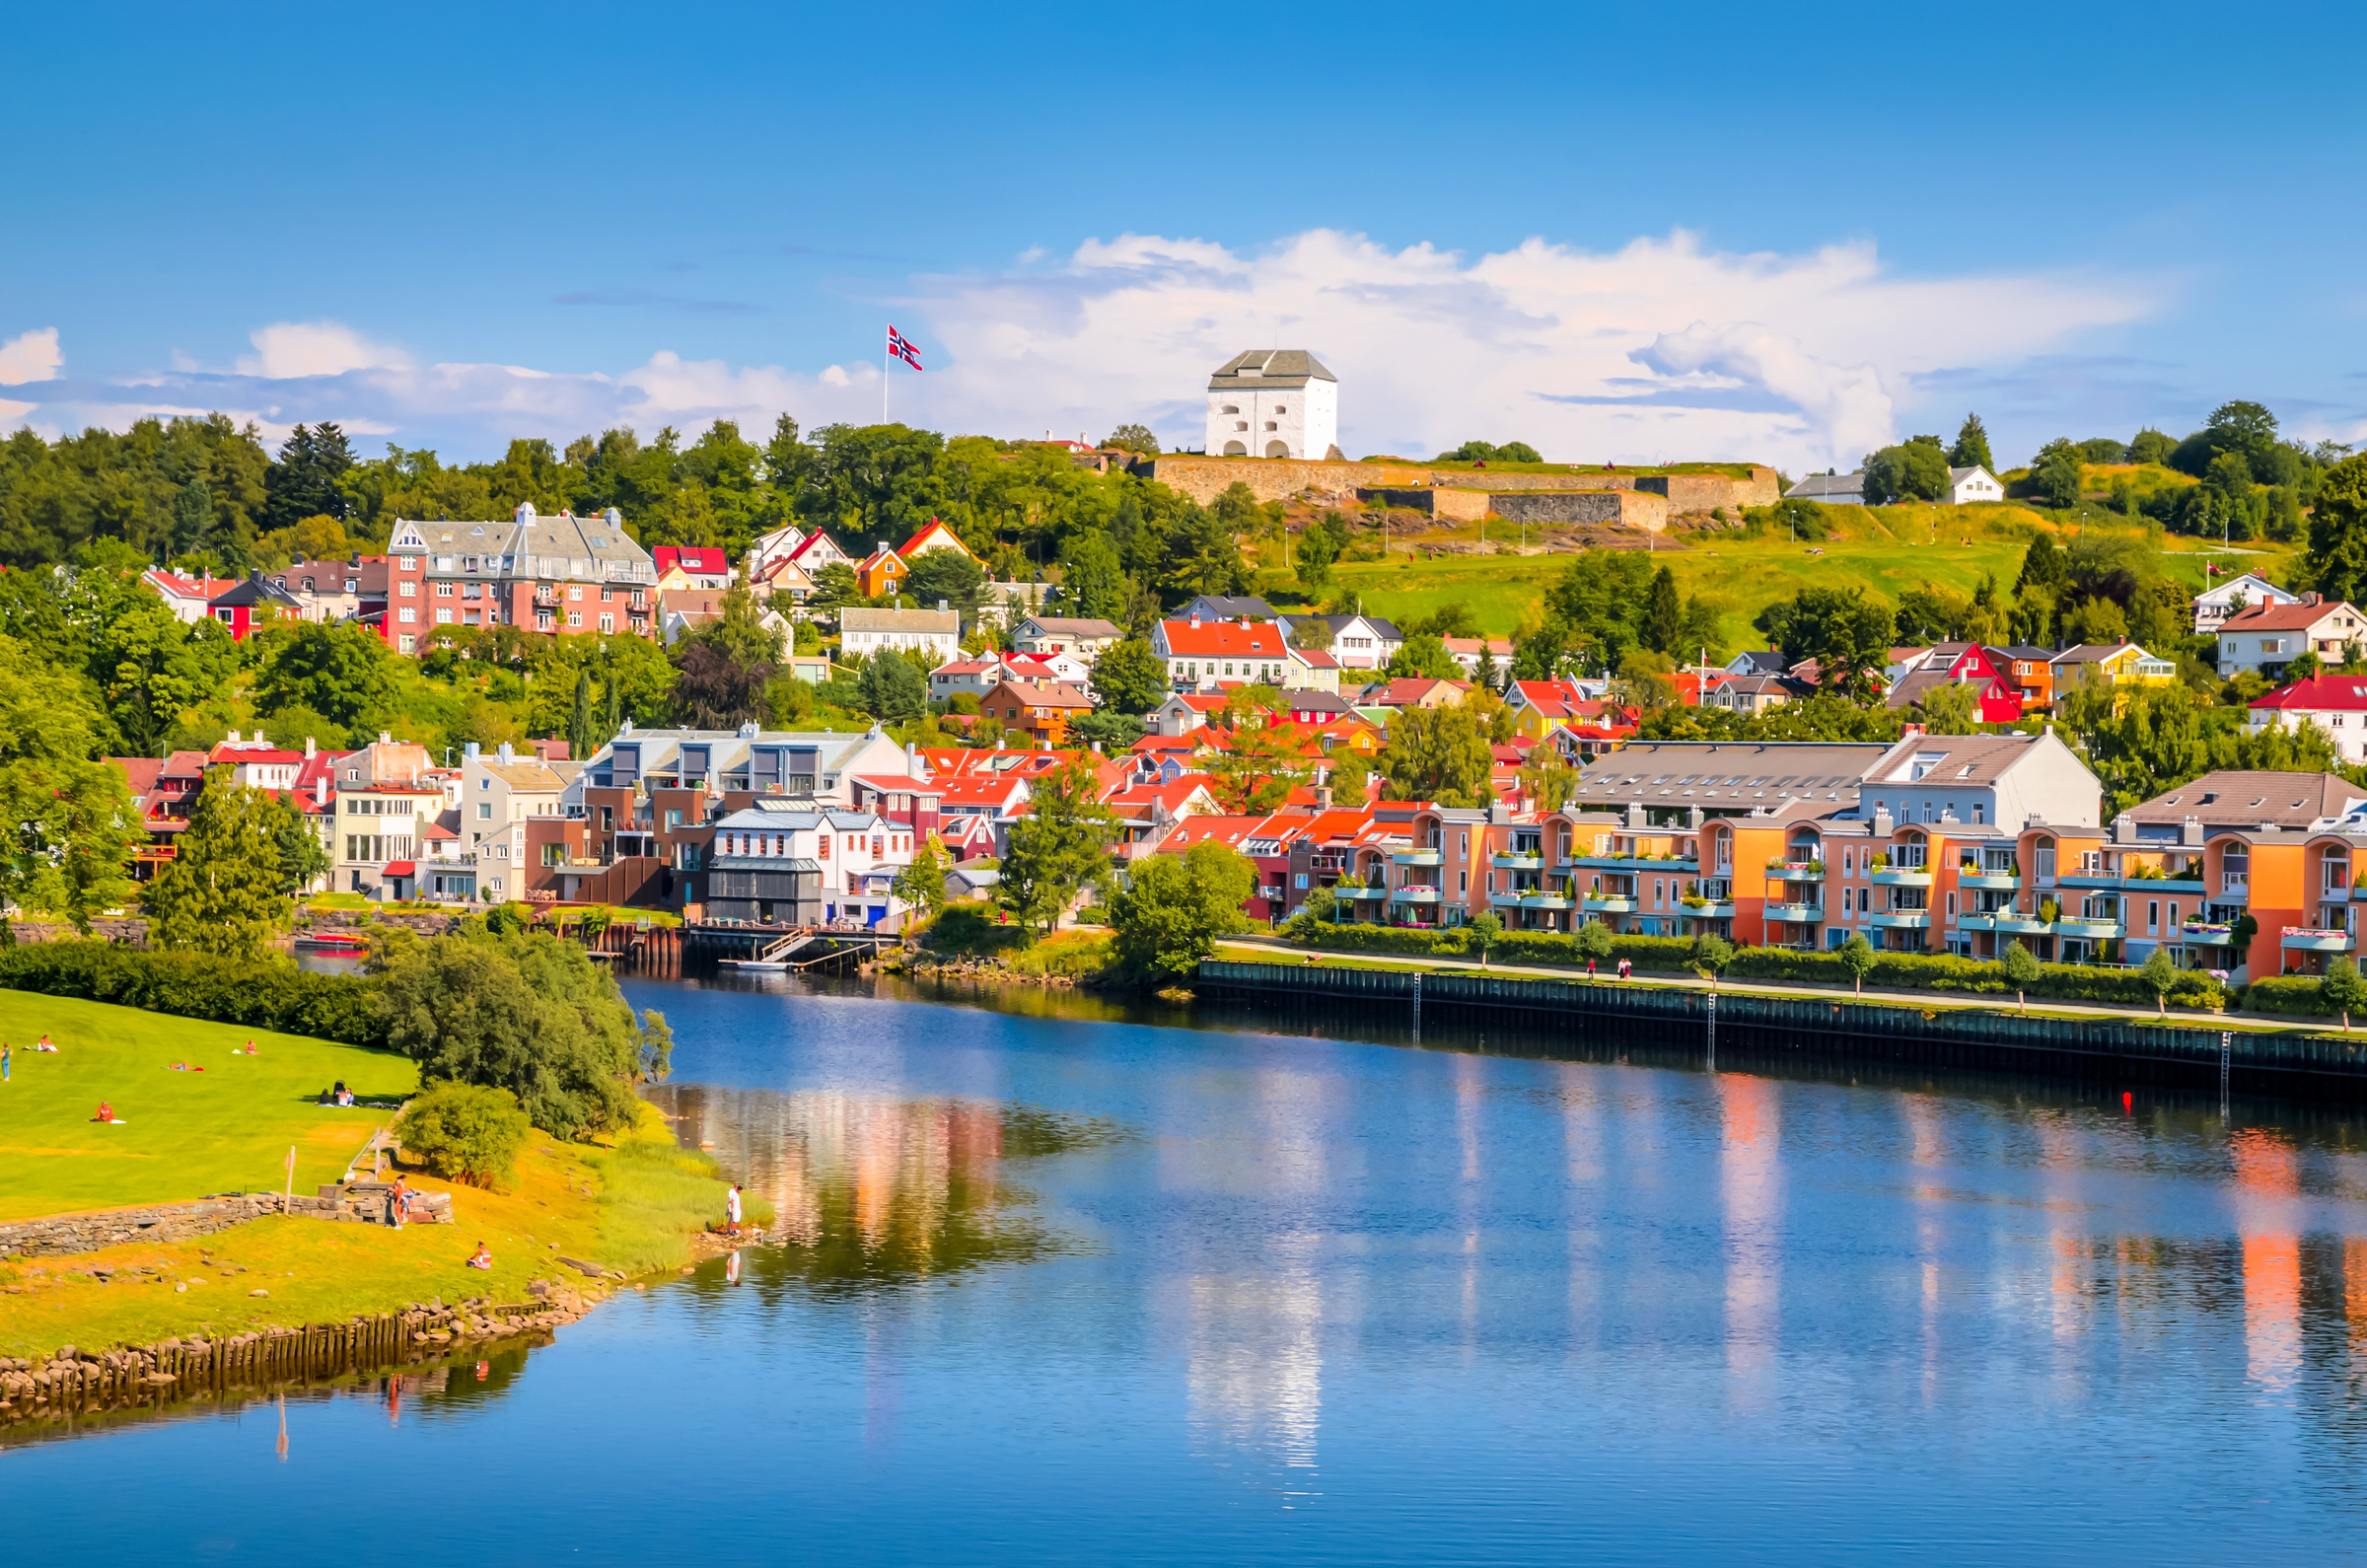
1274 402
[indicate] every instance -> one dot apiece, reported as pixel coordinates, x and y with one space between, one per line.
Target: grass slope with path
630 1207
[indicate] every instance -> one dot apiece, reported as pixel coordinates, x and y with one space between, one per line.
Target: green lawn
182 1134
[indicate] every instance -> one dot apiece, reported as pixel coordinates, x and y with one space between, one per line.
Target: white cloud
1660 348
287 349
31 356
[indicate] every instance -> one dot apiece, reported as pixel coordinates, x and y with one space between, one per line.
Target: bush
967 928
466 1133
2288 995
254 993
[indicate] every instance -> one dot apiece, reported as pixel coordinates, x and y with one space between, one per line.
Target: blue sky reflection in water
1088 1291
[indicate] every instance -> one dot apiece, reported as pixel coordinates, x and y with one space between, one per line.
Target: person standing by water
731 1210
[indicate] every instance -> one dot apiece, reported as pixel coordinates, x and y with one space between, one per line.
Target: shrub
254 993
968 928
466 1133
2288 995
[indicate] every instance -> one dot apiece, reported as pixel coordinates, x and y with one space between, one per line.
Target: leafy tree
1438 754
1846 633
2341 990
1095 577
465 1133
69 819
302 859
223 890
150 668
527 1013
2150 446
2104 448
1133 438
1484 930
2230 473
1057 847
1711 955
723 666
2158 975
2099 621
193 517
1950 709
2021 972
1454 619
2057 474
1547 778
1593 942
1485 676
1129 678
1112 732
921 883
834 584
1261 761
1915 470
343 671
1972 449
948 576
1423 655
2338 544
1319 547
1173 907
894 689
1857 957
1202 556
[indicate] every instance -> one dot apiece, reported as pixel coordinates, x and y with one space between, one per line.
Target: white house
1976 483
777 545
1274 402
1358 642
2267 637
1204 655
1082 639
2336 704
2215 605
934 632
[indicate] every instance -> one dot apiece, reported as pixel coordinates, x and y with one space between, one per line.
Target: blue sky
1712 231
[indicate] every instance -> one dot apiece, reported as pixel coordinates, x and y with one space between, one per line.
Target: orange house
1044 711
882 572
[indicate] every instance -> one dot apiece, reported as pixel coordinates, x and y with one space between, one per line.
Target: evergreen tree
583 734
1485 673
1664 614
1972 449
615 705
222 892
193 517
1056 848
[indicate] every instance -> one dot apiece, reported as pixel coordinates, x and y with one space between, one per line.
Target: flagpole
885 357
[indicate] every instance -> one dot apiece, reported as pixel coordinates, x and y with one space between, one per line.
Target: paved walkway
1990 1002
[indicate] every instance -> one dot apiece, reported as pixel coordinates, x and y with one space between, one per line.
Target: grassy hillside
1884 550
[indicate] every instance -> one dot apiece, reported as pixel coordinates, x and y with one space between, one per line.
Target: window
2153 914
607 622
442 617
408 616
1462 882
1465 848
575 617
484 811
443 590
408 590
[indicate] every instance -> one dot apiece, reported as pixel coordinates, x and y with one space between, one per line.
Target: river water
1070 1285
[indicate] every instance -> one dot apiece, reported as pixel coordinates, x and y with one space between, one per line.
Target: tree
1593 941
1437 755
2057 475
1319 547
950 577
343 671
894 689
1094 580
723 666
1846 633
222 892
1261 760
1058 846
1173 907
304 481
1972 449
1111 730
193 517
1664 614
1950 709
2150 446
1916 471
1129 678
2341 990
1485 931
1133 438
834 584
70 823
1485 676
2098 621
2338 531
1548 782
2021 972
1423 655
2160 974
583 728
1711 954
921 883
303 858
1857 957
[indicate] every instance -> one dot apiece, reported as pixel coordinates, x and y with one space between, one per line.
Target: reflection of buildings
1750 1182
2267 1213
1254 1378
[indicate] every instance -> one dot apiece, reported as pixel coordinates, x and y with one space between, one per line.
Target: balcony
1418 857
1994 881
1613 904
2341 894
1415 896
2093 930
1797 871
1796 913
2305 939
1529 898
1358 891
1534 862
1904 920
1660 862
2208 936
1903 877
1976 922
2015 923
1713 909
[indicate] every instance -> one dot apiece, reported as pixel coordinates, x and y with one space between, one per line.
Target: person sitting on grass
483 1257
106 1112
42 1044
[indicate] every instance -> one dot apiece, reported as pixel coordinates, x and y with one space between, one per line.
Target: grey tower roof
1270 367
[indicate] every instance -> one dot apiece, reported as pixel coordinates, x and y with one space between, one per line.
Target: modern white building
1274 402
935 633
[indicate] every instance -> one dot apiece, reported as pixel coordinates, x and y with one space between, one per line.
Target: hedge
2294 995
255 994
1907 972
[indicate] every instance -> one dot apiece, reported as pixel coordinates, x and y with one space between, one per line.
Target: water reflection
870 1189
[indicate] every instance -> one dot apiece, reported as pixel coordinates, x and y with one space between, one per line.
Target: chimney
308 747
942 606
386 738
469 750
320 791
1323 797
2310 598
233 737
505 753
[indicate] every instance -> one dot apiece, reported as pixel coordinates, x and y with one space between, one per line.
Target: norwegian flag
900 347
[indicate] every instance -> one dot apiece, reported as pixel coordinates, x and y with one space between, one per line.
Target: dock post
1713 1032
1418 1006
2226 1044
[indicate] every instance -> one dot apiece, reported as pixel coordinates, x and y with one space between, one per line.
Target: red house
1989 670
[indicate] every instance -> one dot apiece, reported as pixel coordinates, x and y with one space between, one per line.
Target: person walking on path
731 1209
395 1202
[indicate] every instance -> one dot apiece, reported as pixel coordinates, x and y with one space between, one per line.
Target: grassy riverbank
633 1206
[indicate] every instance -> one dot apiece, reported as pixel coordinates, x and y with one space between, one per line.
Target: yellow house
2125 666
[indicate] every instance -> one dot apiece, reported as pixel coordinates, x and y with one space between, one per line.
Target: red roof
2282 617
708 559
921 535
1223 639
402 868
2319 693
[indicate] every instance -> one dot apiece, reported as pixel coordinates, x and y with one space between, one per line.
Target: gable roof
928 534
705 559
2319 693
2245 797
1072 626
947 621
2283 617
1821 484
1268 367
1222 639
